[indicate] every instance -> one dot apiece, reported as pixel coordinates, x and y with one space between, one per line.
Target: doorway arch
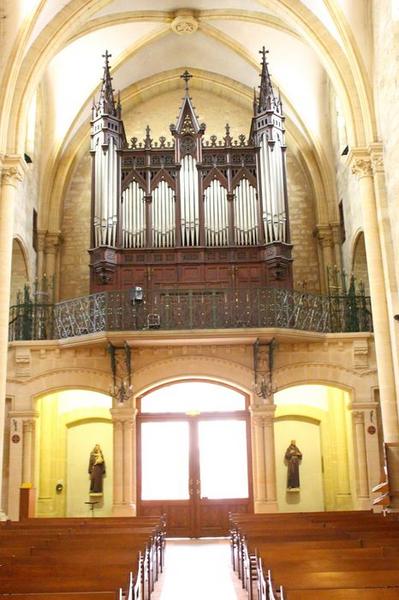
193 455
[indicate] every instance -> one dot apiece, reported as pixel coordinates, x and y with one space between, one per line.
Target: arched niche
317 418
70 423
359 263
19 270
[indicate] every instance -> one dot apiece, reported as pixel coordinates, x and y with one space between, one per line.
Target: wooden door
211 457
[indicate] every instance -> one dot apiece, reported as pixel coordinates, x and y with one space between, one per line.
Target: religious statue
96 471
292 457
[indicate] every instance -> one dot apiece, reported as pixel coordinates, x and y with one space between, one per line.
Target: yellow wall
317 417
307 437
81 438
70 423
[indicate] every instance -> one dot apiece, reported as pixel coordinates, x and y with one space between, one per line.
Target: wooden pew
291 546
81 557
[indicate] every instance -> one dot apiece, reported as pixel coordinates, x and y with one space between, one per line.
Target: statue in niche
293 457
96 471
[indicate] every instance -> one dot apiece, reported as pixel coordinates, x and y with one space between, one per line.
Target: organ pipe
163 216
133 216
216 215
189 207
106 194
245 214
272 191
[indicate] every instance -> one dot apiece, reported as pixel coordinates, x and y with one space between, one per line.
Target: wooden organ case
189 213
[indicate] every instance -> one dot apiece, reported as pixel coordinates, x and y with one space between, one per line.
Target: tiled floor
198 570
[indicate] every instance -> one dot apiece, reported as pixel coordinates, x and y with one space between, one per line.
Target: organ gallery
190 212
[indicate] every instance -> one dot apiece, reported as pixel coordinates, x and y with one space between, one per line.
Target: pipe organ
189 213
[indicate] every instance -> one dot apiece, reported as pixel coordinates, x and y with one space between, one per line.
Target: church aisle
198 569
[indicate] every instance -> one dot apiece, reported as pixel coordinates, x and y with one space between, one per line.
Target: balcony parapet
171 310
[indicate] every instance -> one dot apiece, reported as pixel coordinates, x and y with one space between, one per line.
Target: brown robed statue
96 471
292 457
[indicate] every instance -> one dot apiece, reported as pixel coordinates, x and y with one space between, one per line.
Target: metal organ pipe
105 194
272 187
189 201
163 216
245 214
216 215
133 216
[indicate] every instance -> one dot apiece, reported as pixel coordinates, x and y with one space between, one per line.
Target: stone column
336 240
325 240
265 499
361 166
362 487
12 171
391 268
51 248
40 257
123 421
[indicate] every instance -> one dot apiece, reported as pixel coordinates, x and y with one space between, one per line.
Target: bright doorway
193 456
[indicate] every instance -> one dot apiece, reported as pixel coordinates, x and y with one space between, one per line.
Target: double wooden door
195 469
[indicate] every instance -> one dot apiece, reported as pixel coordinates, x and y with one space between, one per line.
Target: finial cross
263 52
186 76
107 55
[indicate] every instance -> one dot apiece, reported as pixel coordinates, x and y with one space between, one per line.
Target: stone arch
65 379
359 262
19 269
359 386
203 368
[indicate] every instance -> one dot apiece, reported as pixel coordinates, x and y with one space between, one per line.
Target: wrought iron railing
172 310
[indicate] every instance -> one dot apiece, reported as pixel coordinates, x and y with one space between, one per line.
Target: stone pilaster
265 489
124 420
22 445
362 480
12 172
362 168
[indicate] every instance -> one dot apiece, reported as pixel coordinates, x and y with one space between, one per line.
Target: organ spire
267 98
107 104
187 121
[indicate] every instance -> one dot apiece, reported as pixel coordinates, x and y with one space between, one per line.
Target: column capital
52 241
359 160
27 415
377 157
361 406
324 234
358 417
41 236
263 414
336 231
120 415
13 168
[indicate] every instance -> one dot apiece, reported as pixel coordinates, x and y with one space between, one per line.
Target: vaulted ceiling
57 47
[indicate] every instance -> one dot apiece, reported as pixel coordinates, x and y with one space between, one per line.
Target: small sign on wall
16 433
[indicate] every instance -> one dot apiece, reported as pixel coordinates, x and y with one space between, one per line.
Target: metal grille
177 310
